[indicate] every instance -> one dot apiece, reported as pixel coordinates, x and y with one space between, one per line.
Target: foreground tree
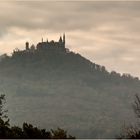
4 121
133 132
28 131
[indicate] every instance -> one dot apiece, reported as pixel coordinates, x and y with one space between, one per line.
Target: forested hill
57 65
65 89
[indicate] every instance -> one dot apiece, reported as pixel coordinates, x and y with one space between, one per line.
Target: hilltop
64 89
56 60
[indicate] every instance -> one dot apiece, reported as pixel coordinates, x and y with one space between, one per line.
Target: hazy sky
107 33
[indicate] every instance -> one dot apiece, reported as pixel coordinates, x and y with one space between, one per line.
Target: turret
27 45
64 40
60 40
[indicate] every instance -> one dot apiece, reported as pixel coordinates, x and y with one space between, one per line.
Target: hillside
61 88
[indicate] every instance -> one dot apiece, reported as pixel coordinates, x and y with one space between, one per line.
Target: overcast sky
107 33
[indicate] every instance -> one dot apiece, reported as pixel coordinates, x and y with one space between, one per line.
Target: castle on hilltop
48 44
52 43
44 45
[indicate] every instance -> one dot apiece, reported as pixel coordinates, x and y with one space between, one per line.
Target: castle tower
27 45
64 39
60 40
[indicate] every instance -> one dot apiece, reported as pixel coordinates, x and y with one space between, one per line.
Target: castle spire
60 40
64 39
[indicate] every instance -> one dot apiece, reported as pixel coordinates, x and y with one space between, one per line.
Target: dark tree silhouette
28 131
133 132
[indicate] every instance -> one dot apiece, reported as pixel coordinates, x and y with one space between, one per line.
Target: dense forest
63 89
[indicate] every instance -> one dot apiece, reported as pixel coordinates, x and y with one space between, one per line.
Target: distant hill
61 88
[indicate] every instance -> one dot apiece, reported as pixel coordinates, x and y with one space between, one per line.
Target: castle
42 46
48 44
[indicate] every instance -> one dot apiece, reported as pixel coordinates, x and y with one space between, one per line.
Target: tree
136 106
4 121
3 112
133 132
28 131
60 134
